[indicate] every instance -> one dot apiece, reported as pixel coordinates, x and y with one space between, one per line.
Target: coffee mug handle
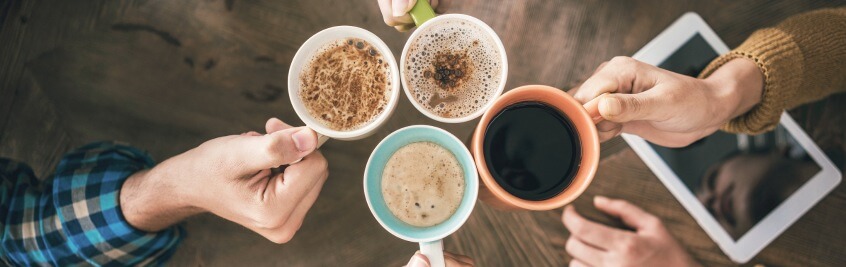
321 139
592 108
434 250
421 12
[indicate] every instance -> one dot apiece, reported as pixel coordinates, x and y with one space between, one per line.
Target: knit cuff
782 63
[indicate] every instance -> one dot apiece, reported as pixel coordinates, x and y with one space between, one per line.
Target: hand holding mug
667 108
450 260
595 244
395 12
234 178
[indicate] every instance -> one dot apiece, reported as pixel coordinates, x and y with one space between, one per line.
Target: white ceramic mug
428 237
306 52
424 18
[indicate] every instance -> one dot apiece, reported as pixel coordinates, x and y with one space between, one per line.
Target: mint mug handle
421 12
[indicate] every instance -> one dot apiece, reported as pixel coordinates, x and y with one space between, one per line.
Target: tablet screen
739 179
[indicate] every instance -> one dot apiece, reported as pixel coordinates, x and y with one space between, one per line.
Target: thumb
278 148
627 107
418 260
400 7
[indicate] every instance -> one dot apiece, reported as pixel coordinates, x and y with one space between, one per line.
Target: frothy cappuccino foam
346 84
423 184
453 68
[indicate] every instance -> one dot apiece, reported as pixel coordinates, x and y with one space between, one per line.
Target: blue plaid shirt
74 218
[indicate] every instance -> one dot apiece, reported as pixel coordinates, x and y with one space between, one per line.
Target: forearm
821 38
802 59
151 203
77 218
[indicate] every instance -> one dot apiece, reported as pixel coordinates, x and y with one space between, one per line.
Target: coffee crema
453 68
423 184
346 84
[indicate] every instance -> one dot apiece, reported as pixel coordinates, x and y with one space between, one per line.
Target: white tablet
743 190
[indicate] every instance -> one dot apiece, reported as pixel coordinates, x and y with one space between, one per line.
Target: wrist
738 86
150 203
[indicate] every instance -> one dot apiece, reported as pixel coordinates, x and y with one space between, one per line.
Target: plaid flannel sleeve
75 218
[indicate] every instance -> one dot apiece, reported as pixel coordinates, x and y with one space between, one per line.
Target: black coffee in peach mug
532 150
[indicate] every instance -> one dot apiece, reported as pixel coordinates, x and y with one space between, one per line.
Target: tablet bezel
786 213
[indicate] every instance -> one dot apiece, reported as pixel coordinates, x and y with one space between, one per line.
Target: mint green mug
428 237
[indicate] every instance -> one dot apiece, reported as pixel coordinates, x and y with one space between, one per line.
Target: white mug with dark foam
332 38
453 66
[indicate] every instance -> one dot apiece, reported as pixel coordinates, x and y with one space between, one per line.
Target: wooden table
166 75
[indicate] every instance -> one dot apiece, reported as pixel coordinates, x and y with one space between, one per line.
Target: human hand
450 260
395 12
232 177
595 244
667 108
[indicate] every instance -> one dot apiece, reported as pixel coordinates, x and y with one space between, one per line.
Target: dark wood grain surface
166 75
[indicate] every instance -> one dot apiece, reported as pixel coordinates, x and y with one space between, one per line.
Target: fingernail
610 106
303 140
600 200
417 261
400 7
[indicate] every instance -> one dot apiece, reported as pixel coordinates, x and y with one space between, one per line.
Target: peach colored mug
584 119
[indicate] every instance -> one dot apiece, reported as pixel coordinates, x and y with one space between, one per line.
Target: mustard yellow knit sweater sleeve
803 59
